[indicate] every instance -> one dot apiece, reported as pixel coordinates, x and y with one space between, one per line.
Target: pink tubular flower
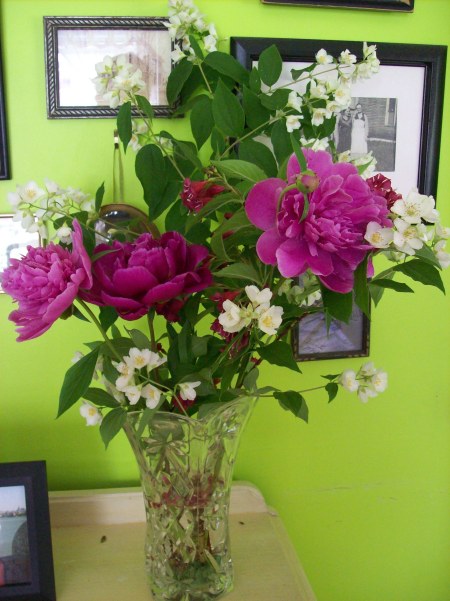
45 282
146 273
330 239
196 195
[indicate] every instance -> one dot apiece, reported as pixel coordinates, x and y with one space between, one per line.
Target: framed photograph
405 5
311 341
26 562
13 241
4 159
74 45
397 114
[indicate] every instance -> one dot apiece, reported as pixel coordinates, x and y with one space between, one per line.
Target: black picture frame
429 61
27 573
60 35
311 341
403 5
4 157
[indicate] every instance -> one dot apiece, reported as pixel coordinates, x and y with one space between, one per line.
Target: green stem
99 326
205 78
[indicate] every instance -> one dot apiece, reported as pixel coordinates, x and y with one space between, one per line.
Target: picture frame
13 241
312 341
26 560
74 45
413 74
403 5
4 156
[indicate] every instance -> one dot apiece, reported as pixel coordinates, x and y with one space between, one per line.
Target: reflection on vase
186 469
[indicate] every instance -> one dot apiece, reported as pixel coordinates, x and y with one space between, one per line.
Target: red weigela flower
382 185
196 195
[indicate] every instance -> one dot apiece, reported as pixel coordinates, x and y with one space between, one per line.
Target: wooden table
98 540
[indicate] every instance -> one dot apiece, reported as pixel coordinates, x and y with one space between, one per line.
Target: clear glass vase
186 468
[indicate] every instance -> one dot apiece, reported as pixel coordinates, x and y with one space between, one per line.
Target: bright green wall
362 489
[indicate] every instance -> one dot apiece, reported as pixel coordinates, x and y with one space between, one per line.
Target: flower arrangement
258 197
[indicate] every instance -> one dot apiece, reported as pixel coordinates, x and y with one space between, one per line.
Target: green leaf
241 271
187 151
385 283
176 218
255 112
235 168
258 154
124 126
251 379
227 111
121 346
177 78
196 47
270 65
218 248
99 197
107 316
298 152
332 388
254 80
281 141
226 64
112 424
100 397
202 121
275 101
426 254
279 353
339 306
422 272
294 402
77 380
145 106
199 345
76 313
362 297
139 339
151 170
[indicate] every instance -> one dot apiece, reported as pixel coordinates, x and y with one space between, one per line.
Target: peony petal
262 201
267 246
132 281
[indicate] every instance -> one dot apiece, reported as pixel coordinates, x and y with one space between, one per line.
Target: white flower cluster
37 207
184 20
409 233
117 80
269 317
367 383
368 160
335 91
134 380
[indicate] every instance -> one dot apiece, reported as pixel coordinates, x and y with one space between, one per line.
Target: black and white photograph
312 341
399 108
15 565
369 125
74 46
14 241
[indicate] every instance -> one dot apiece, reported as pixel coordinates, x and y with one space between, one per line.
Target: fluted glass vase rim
194 420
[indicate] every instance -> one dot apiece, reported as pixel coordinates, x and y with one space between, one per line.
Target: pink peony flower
196 195
45 282
330 239
146 273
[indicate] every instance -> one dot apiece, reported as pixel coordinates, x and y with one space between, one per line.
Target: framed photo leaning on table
74 45
402 103
26 562
405 5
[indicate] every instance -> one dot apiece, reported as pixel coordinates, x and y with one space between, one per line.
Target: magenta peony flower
330 239
45 282
147 272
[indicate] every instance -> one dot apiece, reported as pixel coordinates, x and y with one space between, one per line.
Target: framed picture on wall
26 563
405 5
311 339
4 159
400 107
74 45
13 241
